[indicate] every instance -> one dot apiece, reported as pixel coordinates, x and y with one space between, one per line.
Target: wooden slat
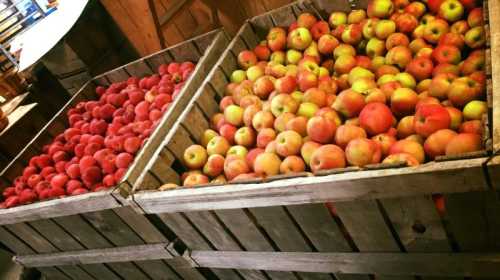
202 42
179 143
120 234
32 238
249 236
494 22
144 228
317 223
75 272
138 69
53 273
188 52
192 239
42 245
215 233
474 222
157 269
372 235
196 123
113 228
447 177
218 81
82 231
59 207
248 35
108 255
228 64
65 242
238 45
162 171
329 6
283 16
397 264
417 224
13 243
283 232
139 25
117 75
184 269
207 101
140 225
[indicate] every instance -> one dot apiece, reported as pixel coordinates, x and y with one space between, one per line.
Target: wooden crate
104 219
347 213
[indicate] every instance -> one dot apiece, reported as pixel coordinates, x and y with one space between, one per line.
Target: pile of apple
400 82
102 140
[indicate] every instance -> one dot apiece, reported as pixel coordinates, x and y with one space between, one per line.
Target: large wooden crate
105 219
349 223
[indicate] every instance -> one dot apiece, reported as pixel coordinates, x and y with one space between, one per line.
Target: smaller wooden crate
377 217
104 219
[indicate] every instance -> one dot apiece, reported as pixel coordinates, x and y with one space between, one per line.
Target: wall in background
151 25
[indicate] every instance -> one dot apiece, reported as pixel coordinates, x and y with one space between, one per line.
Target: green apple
406 80
451 10
238 76
237 150
384 79
382 8
369 28
293 56
298 96
375 47
278 57
384 28
474 110
323 72
299 39
254 72
359 72
307 109
337 19
378 61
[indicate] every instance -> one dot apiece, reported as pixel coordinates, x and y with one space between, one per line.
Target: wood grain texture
396 264
418 225
373 234
474 222
447 177
494 24
215 233
90 238
60 207
281 229
63 241
183 228
249 236
138 25
109 255
317 223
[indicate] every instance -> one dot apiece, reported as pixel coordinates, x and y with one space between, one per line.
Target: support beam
397 264
109 255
